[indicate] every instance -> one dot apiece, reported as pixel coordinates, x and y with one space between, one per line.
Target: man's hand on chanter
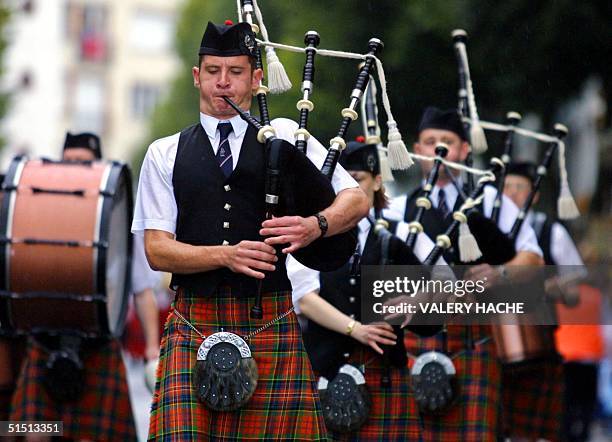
249 256
296 231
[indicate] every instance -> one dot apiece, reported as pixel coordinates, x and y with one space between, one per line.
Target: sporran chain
247 337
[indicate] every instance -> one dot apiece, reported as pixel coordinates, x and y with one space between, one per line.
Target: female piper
331 301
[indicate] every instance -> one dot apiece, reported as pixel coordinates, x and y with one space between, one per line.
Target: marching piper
554 239
534 394
370 357
200 205
472 413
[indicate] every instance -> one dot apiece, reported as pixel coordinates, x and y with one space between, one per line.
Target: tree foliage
4 98
525 55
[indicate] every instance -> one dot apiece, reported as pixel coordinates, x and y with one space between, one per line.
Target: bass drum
65 257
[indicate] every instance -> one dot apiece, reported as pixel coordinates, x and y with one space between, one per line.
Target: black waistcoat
434 223
326 348
214 210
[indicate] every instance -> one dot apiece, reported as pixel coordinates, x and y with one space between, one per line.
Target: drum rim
118 171
6 210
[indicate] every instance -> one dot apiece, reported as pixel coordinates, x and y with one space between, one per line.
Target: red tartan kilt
533 400
285 405
475 416
103 413
394 412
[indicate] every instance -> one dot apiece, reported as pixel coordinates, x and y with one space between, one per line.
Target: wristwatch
322 224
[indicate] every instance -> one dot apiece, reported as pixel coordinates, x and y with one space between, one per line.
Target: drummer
143 277
101 410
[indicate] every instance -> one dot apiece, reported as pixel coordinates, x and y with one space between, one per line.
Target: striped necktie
442 206
224 153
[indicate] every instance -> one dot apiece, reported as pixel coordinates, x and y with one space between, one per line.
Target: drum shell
56 287
517 343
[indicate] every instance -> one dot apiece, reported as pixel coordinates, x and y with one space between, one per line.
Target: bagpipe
468 218
423 203
513 119
286 192
371 129
515 343
466 102
566 207
560 131
293 185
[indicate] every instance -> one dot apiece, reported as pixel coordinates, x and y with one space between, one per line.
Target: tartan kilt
103 413
533 400
394 414
476 414
285 405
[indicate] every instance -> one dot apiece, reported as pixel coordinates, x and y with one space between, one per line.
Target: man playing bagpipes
472 412
201 203
370 358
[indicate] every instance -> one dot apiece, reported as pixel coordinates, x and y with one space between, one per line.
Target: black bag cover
305 191
496 247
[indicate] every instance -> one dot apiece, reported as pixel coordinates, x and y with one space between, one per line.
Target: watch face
322 223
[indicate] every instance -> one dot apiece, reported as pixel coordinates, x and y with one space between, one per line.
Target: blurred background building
122 68
85 65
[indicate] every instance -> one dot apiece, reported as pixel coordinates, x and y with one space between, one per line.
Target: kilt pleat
533 400
285 405
103 413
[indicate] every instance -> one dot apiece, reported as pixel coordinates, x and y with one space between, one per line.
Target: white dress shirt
143 276
562 247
